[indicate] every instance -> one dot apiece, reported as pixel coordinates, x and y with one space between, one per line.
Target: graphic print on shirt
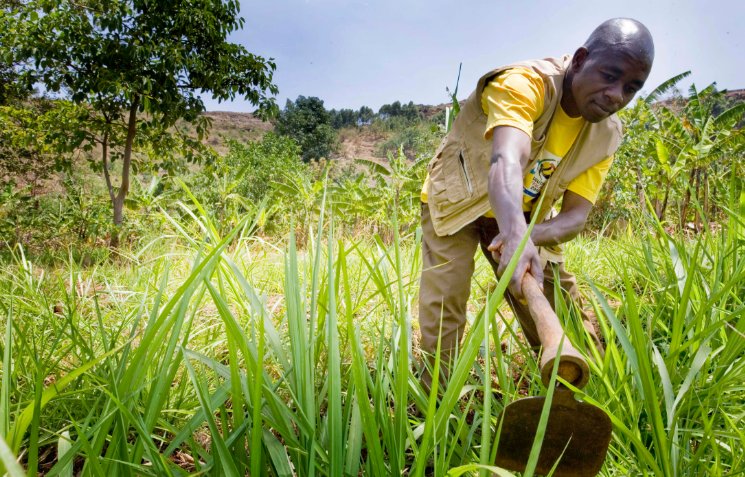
537 177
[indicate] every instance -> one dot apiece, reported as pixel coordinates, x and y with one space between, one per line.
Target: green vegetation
222 354
309 124
314 128
133 70
258 316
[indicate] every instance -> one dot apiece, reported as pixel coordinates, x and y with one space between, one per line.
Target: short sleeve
513 98
589 183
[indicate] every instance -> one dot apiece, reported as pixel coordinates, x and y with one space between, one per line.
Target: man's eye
630 90
608 77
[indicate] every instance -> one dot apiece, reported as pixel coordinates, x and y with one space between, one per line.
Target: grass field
199 354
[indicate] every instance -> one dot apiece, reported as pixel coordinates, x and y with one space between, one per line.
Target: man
539 129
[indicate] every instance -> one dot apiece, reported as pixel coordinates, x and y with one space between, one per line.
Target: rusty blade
578 433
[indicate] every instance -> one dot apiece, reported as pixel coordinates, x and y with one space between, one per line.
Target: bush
237 182
416 141
50 222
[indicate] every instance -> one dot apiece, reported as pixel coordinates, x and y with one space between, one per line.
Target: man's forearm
568 224
505 192
560 229
509 156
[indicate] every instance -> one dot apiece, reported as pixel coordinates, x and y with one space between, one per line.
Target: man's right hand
503 247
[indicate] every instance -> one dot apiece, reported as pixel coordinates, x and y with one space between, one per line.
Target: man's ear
579 58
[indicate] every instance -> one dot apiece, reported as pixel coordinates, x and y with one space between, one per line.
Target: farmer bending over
537 128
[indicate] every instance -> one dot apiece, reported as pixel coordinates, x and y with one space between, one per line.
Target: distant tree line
343 118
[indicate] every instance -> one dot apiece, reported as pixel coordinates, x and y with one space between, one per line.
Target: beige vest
458 171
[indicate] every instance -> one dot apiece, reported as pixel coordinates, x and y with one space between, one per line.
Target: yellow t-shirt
515 98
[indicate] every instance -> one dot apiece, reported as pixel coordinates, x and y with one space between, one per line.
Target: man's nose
614 93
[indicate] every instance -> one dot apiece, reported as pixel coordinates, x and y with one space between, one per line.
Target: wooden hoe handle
572 367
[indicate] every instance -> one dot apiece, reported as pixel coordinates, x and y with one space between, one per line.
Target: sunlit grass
230 355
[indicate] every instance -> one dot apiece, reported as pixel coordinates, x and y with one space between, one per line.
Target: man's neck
567 98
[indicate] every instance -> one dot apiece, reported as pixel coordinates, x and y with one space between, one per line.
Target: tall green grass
225 355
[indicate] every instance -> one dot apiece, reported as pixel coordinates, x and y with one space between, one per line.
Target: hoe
577 435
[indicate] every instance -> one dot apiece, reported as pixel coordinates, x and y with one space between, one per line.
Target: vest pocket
464 171
449 181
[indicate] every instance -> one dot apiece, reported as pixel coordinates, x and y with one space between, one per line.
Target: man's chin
594 113
594 118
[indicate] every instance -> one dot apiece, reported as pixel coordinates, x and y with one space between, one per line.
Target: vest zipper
465 173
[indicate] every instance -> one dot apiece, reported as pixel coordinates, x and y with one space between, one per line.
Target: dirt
240 127
354 143
358 144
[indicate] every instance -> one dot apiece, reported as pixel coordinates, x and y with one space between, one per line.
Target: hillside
234 126
244 127
354 143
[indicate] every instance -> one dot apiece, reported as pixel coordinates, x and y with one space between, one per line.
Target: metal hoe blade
577 433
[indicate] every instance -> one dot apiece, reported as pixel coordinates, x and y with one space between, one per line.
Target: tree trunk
118 200
687 199
105 160
661 213
708 214
697 196
640 188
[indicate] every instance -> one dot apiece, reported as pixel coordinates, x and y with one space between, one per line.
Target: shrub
416 141
237 182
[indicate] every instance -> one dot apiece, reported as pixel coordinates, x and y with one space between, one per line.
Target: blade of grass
63 447
336 451
226 460
256 433
422 457
7 373
10 464
485 448
535 450
359 385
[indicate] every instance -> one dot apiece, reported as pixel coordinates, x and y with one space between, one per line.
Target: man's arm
566 225
510 155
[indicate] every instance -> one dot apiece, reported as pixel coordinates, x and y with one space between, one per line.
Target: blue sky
353 53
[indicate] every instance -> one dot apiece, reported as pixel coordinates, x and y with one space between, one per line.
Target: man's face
605 81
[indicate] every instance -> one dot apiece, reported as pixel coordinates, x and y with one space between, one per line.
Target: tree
343 118
390 110
307 121
139 66
29 135
406 113
11 89
366 115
